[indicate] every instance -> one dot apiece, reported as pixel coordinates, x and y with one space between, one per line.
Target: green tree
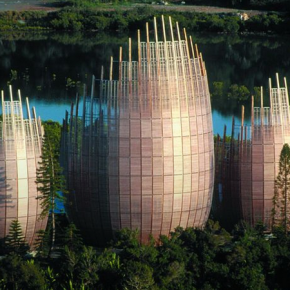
138 276
50 180
14 241
218 91
72 238
79 268
18 274
239 93
281 205
41 243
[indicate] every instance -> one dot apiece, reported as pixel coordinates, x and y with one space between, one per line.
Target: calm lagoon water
50 68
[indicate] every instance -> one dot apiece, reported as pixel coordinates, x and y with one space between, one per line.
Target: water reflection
51 67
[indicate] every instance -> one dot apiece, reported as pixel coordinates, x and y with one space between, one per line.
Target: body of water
50 68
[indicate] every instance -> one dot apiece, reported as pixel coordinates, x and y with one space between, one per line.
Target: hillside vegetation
72 19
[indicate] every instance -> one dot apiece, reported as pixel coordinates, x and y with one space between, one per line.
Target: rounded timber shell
247 164
140 153
20 150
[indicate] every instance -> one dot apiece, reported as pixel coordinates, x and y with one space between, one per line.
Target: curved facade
20 150
139 151
247 164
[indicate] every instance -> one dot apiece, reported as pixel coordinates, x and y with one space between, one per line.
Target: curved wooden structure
141 154
247 163
20 150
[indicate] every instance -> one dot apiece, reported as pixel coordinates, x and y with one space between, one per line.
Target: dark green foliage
138 276
79 17
238 93
218 91
227 98
16 274
14 241
42 242
71 238
188 259
50 181
281 199
79 267
49 178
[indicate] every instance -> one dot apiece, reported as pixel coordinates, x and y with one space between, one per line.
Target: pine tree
50 181
71 238
14 241
42 242
281 204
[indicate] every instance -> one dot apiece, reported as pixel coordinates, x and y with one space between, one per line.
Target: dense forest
77 19
189 259
279 5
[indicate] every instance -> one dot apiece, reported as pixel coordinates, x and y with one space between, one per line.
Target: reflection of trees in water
44 66
46 61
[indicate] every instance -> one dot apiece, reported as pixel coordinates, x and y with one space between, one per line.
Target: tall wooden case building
140 153
247 164
20 150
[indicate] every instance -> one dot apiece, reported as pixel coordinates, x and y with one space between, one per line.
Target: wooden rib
102 73
280 102
21 115
155 30
287 97
185 89
147 32
71 122
242 129
202 70
111 69
192 47
233 131
171 30
139 56
3 109
285 84
28 109
163 28
243 115
196 51
12 111
120 64
262 99
130 69
271 101
20 105
37 128
93 86
148 63
225 132
252 113
11 94
277 79
140 83
262 107
178 31
19 96
158 65
84 107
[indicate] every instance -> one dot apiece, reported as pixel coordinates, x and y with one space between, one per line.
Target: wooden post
111 69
